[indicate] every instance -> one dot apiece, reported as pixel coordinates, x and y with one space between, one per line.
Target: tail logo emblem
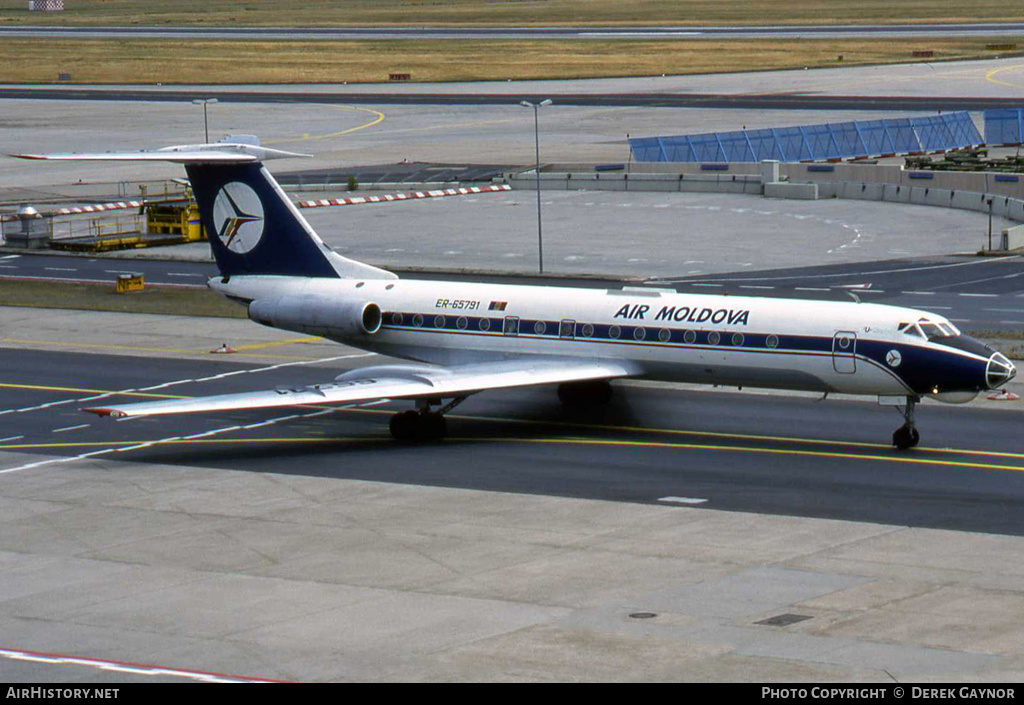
238 217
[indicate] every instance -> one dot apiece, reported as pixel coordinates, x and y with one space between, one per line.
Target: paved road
975 293
726 101
461 33
767 454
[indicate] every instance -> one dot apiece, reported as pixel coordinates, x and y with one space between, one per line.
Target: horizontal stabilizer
217 153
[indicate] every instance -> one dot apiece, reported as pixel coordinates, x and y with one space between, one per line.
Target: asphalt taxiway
907 30
651 443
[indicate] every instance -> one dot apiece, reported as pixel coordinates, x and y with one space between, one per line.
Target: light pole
536 138
206 123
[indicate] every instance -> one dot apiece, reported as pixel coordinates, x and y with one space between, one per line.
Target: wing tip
106 411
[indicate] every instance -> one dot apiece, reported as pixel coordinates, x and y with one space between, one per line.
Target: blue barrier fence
1004 126
844 140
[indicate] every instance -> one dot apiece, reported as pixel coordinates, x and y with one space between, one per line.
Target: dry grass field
177 61
143 61
102 297
510 12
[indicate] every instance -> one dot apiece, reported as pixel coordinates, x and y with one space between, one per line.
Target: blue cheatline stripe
922 368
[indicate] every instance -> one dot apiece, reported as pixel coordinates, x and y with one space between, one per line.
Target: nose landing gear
907 436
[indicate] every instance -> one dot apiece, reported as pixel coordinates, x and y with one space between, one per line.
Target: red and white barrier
321 203
99 208
387 198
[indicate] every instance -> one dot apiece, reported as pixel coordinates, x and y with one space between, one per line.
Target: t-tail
252 225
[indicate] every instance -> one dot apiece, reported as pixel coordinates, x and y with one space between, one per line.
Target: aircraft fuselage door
511 325
844 352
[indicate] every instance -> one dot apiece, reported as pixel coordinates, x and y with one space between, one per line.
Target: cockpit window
930 330
911 329
934 330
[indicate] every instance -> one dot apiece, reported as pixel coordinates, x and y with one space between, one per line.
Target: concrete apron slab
305 578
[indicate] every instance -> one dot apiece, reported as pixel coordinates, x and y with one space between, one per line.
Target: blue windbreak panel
1004 126
847 139
843 140
764 145
792 144
706 148
677 149
821 142
933 132
904 136
736 147
876 137
963 130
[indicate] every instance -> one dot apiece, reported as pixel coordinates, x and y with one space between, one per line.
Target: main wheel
403 425
431 427
585 394
906 437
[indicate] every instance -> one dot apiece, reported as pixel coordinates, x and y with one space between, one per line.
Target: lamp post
206 123
536 138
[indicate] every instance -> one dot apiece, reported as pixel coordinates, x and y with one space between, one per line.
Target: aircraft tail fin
253 226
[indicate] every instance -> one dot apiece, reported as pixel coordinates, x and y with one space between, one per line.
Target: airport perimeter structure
821 142
1001 195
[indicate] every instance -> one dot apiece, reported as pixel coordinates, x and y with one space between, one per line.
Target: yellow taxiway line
902 458
79 390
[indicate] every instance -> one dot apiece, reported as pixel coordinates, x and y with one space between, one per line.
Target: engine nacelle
318 315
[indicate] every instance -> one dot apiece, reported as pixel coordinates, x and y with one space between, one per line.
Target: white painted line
985 296
809 288
682 500
750 286
11 438
707 285
10 257
60 269
918 293
124 667
70 428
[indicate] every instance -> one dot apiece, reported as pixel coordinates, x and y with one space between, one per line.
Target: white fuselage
709 339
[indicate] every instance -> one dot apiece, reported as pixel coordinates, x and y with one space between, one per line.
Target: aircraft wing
391 382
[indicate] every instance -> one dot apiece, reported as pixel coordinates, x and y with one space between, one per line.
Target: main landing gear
907 435
422 424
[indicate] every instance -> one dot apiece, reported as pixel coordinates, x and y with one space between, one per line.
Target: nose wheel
907 436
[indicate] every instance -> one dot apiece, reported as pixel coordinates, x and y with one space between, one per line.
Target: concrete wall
636 181
1012 238
875 182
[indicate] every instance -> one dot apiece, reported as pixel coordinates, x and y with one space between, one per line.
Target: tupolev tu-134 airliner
462 338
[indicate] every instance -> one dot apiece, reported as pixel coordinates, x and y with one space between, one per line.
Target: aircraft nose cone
999 371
